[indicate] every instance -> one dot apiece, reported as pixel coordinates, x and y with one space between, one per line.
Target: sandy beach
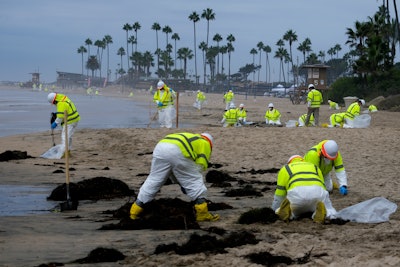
370 158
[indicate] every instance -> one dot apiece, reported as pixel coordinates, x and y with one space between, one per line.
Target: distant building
69 80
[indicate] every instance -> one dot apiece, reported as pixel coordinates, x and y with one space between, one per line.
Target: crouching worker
182 157
300 189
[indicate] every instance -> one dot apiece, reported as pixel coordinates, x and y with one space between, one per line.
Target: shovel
69 204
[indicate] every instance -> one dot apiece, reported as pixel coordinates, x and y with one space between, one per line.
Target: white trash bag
56 152
374 210
362 121
291 123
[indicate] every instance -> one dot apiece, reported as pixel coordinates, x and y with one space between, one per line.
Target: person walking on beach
314 101
300 189
63 103
200 98
326 156
229 99
272 115
181 157
164 98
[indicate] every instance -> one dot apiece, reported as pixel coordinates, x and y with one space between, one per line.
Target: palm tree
267 50
305 47
167 30
203 47
148 62
185 53
127 27
156 27
88 42
108 40
337 48
217 38
291 36
121 53
260 46
253 52
99 55
175 37
281 53
321 55
223 50
230 49
207 14
82 50
92 64
195 18
136 26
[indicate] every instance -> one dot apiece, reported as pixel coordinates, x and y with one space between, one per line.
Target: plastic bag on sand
362 121
291 123
56 152
374 210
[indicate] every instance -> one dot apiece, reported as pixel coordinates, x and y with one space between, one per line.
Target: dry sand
370 155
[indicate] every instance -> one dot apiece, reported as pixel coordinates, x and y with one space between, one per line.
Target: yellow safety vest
231 116
166 98
298 173
314 155
64 103
353 110
315 97
272 115
192 146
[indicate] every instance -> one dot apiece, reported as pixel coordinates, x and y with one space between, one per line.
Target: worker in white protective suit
180 157
300 189
242 114
326 156
164 98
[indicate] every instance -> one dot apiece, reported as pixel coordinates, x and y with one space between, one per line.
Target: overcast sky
44 35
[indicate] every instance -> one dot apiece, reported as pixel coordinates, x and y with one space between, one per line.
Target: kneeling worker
300 189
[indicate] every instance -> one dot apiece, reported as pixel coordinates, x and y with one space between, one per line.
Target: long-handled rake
69 204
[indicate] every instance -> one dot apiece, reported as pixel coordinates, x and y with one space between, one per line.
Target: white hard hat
232 105
330 149
160 84
362 102
329 101
270 105
295 158
241 106
311 86
51 97
208 137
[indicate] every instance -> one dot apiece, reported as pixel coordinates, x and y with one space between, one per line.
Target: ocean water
27 111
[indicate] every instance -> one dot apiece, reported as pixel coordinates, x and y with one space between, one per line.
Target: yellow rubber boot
320 213
202 213
284 211
135 211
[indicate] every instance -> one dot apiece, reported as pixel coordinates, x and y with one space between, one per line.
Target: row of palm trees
211 55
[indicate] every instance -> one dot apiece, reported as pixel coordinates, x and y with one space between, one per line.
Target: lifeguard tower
317 75
35 78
